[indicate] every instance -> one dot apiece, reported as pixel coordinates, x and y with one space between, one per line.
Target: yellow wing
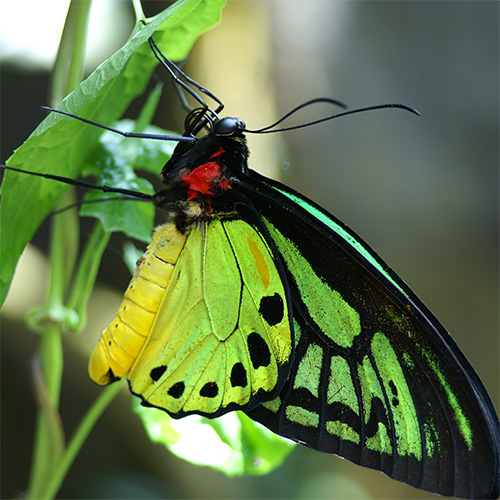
204 326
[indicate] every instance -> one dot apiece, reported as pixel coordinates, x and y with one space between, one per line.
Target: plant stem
51 359
45 447
69 65
79 438
86 274
48 442
139 14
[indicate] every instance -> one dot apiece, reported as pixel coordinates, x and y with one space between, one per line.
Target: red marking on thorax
219 152
202 179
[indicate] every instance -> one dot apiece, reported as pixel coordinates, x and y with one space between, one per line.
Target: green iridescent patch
340 386
343 431
461 420
331 313
273 405
402 406
308 373
302 416
371 389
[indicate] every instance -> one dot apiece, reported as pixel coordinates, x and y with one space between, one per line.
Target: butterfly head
228 127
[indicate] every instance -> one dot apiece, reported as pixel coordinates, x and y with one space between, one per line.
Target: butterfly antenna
202 113
99 200
200 117
271 128
67 180
178 90
175 71
158 137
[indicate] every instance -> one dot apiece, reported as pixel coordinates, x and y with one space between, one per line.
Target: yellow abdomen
122 340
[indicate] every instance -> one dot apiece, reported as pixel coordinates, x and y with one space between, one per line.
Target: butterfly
252 297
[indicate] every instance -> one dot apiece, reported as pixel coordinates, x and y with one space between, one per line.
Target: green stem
69 65
47 442
139 14
87 272
49 377
48 432
79 438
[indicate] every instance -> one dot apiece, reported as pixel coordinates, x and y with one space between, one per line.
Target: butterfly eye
228 126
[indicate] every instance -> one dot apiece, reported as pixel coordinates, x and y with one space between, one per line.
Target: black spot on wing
259 351
238 375
394 390
157 372
209 390
176 390
272 309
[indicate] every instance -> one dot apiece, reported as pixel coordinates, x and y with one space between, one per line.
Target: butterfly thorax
197 178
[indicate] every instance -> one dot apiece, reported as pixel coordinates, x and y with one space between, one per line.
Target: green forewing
375 378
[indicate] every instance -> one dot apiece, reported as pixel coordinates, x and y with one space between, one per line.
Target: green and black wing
375 377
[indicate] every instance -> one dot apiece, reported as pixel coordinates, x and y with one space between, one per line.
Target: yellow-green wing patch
221 337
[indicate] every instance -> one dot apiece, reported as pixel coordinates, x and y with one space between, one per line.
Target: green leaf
61 146
113 164
233 443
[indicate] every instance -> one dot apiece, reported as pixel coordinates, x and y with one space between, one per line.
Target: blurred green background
423 192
